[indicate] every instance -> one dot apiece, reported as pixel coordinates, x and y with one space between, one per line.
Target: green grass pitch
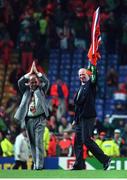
63 174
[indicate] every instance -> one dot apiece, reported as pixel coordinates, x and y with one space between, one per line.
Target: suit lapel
79 92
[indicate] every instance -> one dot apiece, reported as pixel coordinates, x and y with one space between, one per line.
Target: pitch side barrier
66 163
115 116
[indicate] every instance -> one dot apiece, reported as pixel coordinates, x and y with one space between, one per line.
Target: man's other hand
73 123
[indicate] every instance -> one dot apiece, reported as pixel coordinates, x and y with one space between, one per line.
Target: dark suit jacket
85 102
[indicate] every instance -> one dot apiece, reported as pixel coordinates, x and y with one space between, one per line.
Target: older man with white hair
84 119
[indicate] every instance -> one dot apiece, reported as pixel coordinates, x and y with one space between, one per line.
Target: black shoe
39 168
78 168
73 169
106 165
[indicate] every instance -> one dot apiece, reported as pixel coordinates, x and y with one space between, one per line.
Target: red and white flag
93 53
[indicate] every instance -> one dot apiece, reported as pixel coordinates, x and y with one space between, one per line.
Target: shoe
73 169
77 168
106 165
39 169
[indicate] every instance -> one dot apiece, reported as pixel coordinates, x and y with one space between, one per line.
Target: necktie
32 107
79 92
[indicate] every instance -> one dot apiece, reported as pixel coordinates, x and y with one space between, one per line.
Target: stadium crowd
31 28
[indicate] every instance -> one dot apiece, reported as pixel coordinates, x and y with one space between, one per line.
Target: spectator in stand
120 99
6 45
15 75
14 130
21 150
99 125
80 25
7 146
119 123
49 8
3 30
11 106
111 5
89 7
110 148
5 120
37 14
59 90
3 125
123 47
66 35
99 138
43 25
59 15
52 124
108 127
52 108
118 139
72 136
70 112
53 40
112 81
124 135
46 139
65 145
25 22
64 125
1 138
121 94
26 44
83 11
7 12
122 88
53 149
112 77
111 26
120 109
59 93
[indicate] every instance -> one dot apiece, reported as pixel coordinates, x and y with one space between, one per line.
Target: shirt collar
83 83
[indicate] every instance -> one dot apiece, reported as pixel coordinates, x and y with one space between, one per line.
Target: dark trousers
78 149
84 129
22 164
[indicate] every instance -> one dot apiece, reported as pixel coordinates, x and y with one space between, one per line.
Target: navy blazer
85 102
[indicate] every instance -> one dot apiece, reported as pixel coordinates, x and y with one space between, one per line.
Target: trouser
78 149
35 128
84 129
22 164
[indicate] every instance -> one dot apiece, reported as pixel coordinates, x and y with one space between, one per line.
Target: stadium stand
61 63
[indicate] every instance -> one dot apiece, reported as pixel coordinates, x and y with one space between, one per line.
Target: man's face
83 76
116 135
33 82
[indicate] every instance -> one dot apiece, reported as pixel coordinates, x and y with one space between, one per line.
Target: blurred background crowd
57 33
